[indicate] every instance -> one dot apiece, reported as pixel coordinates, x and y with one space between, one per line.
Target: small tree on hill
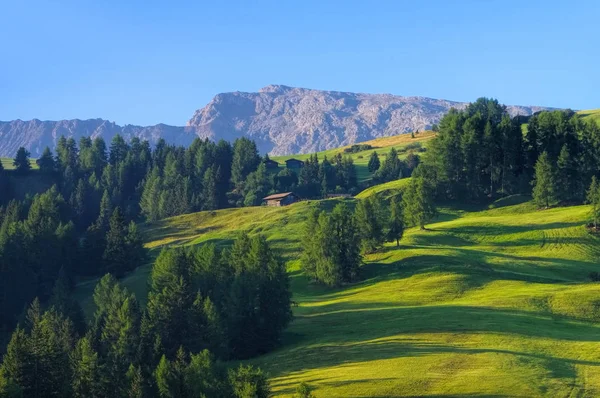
593 198
374 162
21 161
544 188
396 222
418 200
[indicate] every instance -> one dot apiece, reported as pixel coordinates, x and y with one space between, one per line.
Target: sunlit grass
380 145
494 302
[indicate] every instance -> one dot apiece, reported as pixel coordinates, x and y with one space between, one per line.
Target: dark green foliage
332 247
358 148
396 221
124 250
21 161
46 162
249 382
593 198
245 160
370 220
419 200
544 183
374 162
391 169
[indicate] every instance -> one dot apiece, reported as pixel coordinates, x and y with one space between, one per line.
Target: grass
385 190
593 114
486 302
381 145
7 163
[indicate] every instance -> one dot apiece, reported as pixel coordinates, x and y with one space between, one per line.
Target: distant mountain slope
285 120
35 134
282 120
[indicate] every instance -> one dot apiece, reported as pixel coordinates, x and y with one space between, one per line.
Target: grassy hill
487 302
593 114
401 142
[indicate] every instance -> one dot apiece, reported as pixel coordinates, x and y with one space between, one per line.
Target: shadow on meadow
377 333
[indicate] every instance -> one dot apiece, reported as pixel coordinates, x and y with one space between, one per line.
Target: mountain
286 120
282 120
35 134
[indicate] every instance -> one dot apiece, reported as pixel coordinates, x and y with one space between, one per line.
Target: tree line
205 305
334 243
481 153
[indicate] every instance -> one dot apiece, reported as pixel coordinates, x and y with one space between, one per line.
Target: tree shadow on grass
359 335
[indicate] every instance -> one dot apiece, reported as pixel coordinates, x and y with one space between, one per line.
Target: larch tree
544 183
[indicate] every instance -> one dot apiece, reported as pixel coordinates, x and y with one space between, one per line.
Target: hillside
487 302
593 114
403 143
282 120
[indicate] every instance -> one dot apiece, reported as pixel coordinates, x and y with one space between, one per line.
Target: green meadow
382 146
489 301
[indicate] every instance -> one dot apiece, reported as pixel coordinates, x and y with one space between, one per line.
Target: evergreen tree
370 221
18 365
419 206
46 162
136 382
21 161
396 222
568 185
116 256
374 162
544 183
245 160
593 198
87 371
249 382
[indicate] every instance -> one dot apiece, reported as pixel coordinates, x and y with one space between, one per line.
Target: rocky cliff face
282 120
285 120
35 134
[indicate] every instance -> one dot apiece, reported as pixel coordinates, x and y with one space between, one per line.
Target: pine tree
18 363
396 222
136 382
544 189
164 378
419 206
374 162
116 256
21 161
593 198
245 160
370 222
46 162
87 371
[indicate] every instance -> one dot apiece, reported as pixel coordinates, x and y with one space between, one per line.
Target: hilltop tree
544 183
21 161
396 221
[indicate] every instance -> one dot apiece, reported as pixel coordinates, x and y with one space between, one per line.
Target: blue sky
145 62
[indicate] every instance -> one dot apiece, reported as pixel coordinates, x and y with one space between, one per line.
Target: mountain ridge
282 120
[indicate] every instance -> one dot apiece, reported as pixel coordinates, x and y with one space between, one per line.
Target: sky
148 62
